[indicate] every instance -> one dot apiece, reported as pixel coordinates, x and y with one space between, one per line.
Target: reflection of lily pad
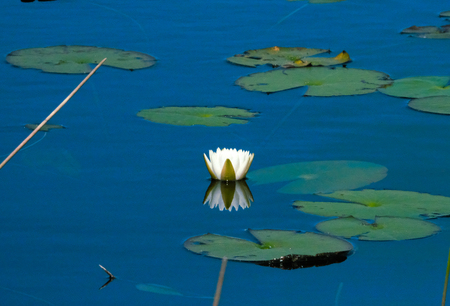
383 229
436 105
321 81
368 204
273 244
44 128
287 57
418 87
320 176
159 289
76 59
209 116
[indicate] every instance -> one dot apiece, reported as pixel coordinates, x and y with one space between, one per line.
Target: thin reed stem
51 115
220 281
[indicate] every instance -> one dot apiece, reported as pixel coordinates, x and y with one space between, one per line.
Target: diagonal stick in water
220 281
51 115
287 16
444 295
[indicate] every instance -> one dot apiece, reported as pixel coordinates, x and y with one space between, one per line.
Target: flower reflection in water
228 194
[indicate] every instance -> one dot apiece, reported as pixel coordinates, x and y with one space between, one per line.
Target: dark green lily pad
320 176
321 81
369 203
186 116
383 229
436 105
44 128
287 57
445 14
76 59
273 245
418 87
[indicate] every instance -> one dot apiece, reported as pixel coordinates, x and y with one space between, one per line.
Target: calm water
116 190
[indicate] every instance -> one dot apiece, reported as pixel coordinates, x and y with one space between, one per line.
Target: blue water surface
117 190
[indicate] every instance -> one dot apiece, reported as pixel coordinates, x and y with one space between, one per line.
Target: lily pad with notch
370 203
187 116
383 229
76 59
287 57
320 176
436 105
321 81
418 87
299 249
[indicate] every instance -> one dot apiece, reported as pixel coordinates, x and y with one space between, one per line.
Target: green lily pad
383 229
432 32
321 81
320 176
44 128
436 105
287 57
186 116
445 14
273 245
369 203
418 87
76 59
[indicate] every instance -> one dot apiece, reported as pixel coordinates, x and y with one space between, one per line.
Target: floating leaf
320 176
159 289
44 128
287 57
429 32
209 116
445 14
369 203
383 229
273 245
436 105
321 81
275 56
76 59
418 87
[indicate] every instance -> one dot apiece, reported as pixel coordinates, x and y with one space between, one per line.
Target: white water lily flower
228 164
226 195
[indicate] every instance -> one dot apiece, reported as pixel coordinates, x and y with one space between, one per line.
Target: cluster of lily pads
432 32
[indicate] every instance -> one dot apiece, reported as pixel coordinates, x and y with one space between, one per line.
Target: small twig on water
111 277
220 282
51 115
446 280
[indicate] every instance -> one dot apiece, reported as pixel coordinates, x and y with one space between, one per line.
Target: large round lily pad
273 245
369 203
321 81
287 57
186 116
383 229
436 105
418 87
76 59
320 176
